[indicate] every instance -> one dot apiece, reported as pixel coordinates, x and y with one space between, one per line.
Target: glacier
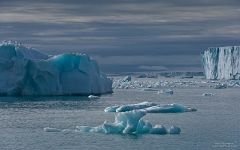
26 71
221 62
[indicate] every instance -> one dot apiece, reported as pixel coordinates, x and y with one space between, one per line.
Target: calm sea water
214 126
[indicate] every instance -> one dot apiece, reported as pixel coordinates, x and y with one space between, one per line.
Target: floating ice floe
25 71
220 86
93 97
150 108
49 129
130 122
166 92
207 94
170 108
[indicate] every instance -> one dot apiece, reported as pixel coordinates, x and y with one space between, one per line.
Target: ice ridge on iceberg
221 62
25 71
151 108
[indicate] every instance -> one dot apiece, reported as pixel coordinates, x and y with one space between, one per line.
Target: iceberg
25 71
221 62
93 97
174 130
150 107
130 122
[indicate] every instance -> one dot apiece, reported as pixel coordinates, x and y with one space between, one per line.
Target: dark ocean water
214 126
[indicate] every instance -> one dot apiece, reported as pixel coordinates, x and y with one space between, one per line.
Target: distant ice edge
25 71
221 62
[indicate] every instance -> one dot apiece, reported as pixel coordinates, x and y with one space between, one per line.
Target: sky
124 35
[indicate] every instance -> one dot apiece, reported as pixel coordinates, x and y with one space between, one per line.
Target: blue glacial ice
222 62
130 122
25 71
151 108
170 108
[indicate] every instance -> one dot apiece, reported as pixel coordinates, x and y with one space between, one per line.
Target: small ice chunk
207 94
84 128
158 129
220 86
49 129
166 92
127 79
93 97
174 130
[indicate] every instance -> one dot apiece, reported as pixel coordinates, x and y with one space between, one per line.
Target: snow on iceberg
170 108
150 108
25 71
130 122
222 62
93 97
129 107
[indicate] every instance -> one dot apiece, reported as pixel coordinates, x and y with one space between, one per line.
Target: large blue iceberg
222 62
25 71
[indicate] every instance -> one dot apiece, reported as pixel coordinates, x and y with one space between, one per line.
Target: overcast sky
124 35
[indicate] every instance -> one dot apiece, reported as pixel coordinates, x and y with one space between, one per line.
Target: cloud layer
131 35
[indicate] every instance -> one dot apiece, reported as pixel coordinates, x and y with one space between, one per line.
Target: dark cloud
137 30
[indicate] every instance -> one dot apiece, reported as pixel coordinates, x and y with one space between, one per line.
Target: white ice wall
221 62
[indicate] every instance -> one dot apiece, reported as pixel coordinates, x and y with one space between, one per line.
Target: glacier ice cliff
25 71
222 62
